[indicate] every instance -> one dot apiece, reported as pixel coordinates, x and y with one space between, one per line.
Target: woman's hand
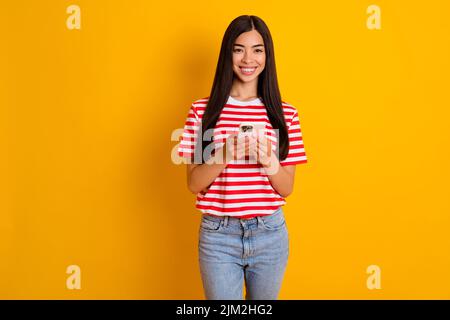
264 154
238 146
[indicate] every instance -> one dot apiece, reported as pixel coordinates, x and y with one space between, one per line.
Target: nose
247 57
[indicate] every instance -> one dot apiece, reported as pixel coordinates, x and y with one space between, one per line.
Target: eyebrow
256 45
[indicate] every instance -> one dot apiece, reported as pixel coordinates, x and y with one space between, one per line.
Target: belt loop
225 221
259 220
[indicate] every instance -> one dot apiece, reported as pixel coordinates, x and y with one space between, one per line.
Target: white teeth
248 70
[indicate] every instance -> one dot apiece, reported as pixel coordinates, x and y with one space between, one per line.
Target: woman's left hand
263 152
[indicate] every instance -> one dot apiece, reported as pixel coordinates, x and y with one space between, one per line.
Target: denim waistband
234 220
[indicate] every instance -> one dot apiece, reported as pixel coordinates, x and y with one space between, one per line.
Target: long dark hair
268 89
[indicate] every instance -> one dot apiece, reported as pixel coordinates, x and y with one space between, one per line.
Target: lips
247 70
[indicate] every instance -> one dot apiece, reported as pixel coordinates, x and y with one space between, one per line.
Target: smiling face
249 56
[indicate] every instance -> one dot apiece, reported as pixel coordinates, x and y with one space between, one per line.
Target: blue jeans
232 250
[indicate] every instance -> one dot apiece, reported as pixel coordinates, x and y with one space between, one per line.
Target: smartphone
246 128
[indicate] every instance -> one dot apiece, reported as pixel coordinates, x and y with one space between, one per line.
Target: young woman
241 181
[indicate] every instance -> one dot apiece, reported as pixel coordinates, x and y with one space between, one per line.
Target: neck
244 90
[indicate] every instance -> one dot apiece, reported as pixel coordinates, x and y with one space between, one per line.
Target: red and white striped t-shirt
243 188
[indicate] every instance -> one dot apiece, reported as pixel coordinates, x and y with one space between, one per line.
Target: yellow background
86 117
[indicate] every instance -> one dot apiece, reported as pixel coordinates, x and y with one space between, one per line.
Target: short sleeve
296 154
188 140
